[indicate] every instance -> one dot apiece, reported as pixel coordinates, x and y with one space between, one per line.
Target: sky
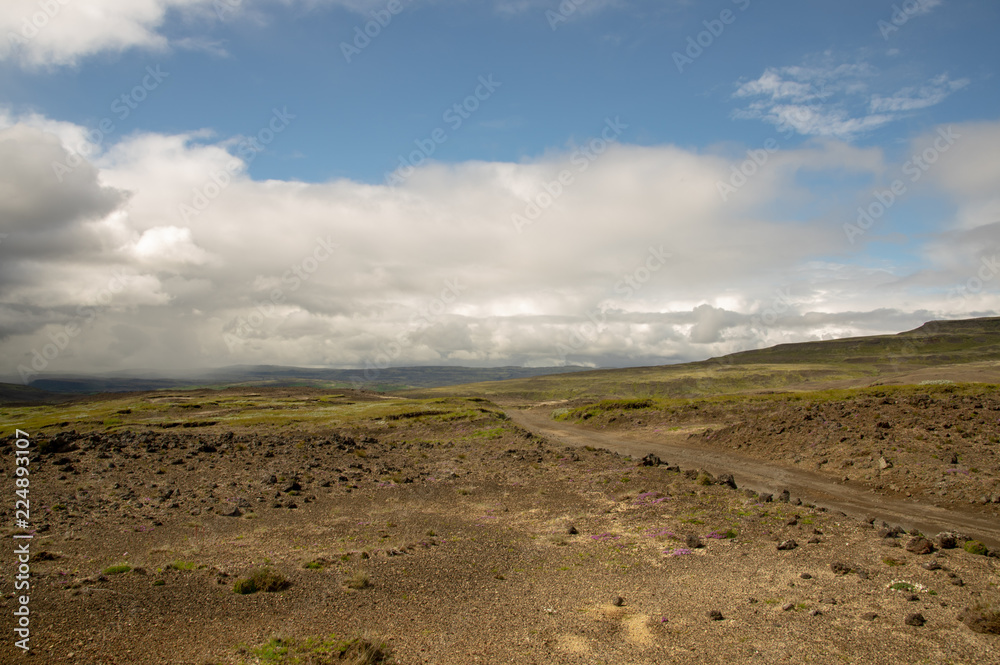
188 184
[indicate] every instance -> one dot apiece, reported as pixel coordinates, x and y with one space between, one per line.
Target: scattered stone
829 601
806 576
715 615
862 574
815 613
915 619
572 530
931 565
840 568
954 458
618 601
787 545
884 464
946 540
766 498
920 546
727 480
792 521
958 582
785 496
694 542
912 597
651 460
787 607
235 512
814 540
869 616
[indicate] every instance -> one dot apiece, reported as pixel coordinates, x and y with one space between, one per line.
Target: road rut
851 498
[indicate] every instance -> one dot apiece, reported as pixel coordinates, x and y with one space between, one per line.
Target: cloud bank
160 252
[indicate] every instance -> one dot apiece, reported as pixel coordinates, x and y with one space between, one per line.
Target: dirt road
852 498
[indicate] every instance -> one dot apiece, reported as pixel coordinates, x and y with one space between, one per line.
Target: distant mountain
392 378
934 343
964 350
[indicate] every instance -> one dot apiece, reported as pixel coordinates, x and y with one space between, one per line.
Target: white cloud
838 100
336 273
57 33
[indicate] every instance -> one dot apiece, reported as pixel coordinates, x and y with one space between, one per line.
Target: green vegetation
262 579
182 565
317 651
117 570
976 547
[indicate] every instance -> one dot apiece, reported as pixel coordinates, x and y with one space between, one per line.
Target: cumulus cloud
637 259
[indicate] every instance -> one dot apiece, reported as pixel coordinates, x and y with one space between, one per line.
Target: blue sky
835 100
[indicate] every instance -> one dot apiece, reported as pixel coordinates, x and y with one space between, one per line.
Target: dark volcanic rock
651 460
920 546
947 540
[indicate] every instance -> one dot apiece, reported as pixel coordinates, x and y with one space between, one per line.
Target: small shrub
357 581
159 583
889 561
262 579
117 570
976 547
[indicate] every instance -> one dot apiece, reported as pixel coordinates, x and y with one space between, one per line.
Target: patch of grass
321 651
358 580
182 565
889 561
117 570
262 579
903 586
159 583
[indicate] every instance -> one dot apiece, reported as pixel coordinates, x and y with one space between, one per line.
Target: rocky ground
941 443
453 536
